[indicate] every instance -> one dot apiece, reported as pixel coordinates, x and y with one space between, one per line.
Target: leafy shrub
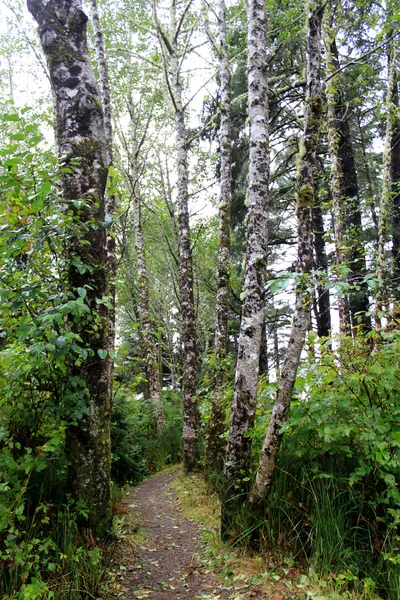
335 496
138 449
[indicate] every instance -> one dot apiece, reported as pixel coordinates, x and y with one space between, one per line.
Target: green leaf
102 353
19 137
11 117
82 292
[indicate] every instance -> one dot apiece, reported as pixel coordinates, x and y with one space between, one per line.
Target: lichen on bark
305 203
81 139
237 460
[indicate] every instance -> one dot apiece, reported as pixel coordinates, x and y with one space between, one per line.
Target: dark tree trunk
323 309
353 231
82 139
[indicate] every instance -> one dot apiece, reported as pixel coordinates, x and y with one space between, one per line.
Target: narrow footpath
164 559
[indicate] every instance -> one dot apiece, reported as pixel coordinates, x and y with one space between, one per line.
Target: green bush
138 449
335 497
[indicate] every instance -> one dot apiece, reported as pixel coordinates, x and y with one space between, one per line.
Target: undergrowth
274 568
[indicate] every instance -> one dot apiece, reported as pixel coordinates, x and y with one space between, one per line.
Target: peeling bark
238 451
305 204
81 137
216 426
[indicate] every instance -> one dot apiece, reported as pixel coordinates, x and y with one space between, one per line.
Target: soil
163 559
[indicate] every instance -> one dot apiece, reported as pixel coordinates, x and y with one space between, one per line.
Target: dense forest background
200 262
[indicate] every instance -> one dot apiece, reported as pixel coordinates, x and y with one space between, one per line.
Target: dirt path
165 561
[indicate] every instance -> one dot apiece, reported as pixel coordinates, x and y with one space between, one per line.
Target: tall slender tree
358 301
305 205
387 206
215 441
170 45
335 176
82 141
237 462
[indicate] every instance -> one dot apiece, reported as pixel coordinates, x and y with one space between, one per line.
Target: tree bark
216 444
105 94
238 451
395 177
191 417
335 180
358 300
387 207
82 139
305 205
148 339
323 312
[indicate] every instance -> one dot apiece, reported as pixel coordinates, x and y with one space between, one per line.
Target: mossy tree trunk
82 139
216 444
304 294
238 453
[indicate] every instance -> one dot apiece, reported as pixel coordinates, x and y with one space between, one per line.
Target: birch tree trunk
172 67
237 461
216 426
305 204
82 138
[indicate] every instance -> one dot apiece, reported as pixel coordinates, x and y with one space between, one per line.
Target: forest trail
164 561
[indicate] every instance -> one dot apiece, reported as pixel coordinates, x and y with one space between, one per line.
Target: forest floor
165 554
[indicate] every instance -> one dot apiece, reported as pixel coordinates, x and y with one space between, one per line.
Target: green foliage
40 547
335 497
138 449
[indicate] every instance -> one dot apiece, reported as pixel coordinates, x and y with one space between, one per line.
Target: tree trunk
323 312
109 199
191 417
350 200
150 349
264 365
81 137
335 181
387 208
237 462
216 444
305 205
395 177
